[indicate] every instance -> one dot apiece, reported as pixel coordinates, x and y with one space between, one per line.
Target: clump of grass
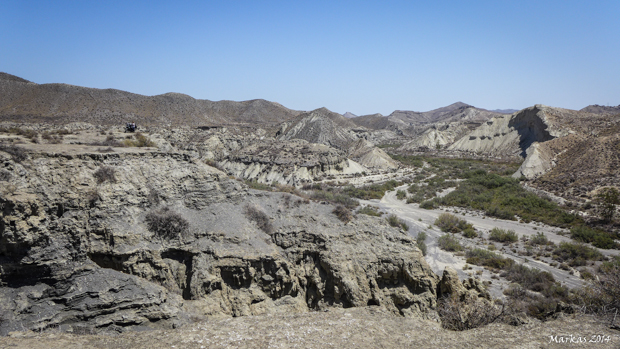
166 223
502 235
370 211
448 242
401 194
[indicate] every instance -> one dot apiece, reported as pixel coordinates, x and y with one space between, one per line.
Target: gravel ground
340 328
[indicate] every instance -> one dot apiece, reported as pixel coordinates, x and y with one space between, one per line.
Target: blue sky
358 56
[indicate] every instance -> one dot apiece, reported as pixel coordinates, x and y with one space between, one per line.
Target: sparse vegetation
105 174
166 223
259 217
253 184
504 198
373 191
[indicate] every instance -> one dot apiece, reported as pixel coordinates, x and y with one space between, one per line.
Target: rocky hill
24 101
601 109
567 152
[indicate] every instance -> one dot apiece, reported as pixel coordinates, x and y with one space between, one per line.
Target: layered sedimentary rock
77 250
292 162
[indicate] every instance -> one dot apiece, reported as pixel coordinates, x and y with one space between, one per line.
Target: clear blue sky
358 56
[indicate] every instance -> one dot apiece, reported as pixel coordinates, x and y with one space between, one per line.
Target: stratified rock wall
75 252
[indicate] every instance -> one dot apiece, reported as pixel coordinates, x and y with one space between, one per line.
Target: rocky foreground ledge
94 242
366 327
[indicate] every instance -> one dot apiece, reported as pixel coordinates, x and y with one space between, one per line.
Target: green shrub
539 239
370 210
393 220
428 205
576 253
503 197
422 246
400 194
448 242
470 233
598 238
501 235
450 223
487 258
166 223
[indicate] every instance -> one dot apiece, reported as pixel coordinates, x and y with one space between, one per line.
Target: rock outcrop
77 249
293 162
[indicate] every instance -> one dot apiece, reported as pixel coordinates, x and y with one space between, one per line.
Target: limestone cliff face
512 135
77 252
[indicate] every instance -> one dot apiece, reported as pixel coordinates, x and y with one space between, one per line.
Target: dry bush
92 198
602 295
17 154
166 223
105 174
343 213
259 217
153 197
5 176
460 315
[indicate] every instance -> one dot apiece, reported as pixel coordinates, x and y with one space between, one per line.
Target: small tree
609 198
